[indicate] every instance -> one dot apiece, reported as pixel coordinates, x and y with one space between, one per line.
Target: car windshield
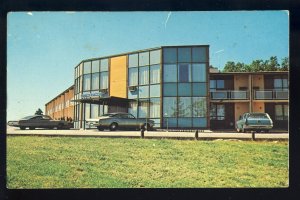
28 117
258 115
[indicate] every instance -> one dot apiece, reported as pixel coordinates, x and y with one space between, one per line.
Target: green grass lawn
66 162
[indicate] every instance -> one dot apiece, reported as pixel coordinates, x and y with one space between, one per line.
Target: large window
170 55
95 81
199 106
170 73
104 65
95 66
199 72
154 108
199 54
144 58
133 60
280 83
86 82
184 107
184 89
170 89
217 84
184 55
155 90
103 80
94 110
144 91
154 57
132 108
281 112
154 74
87 111
184 73
170 107
133 76
143 109
144 75
87 67
217 112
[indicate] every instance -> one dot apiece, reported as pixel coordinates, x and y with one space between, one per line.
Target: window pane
104 65
143 105
95 81
220 84
132 108
144 58
80 69
199 107
278 112
103 109
144 91
87 111
95 66
184 73
154 74
94 110
199 89
155 90
170 122
184 89
285 83
170 73
133 94
144 75
154 57
184 107
199 122
213 111
170 89
199 72
184 55
170 55
170 107
87 67
133 76
277 83
199 54
212 84
286 112
133 60
154 108
86 82
220 112
184 122
103 80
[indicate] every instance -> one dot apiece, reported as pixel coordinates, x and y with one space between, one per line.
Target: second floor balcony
229 95
274 94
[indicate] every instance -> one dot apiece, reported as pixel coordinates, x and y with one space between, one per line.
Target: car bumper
258 127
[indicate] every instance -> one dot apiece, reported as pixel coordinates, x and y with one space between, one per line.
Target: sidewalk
206 135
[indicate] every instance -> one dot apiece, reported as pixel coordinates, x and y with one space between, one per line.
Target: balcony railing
271 94
229 94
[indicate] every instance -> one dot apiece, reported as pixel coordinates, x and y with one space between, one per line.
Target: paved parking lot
207 134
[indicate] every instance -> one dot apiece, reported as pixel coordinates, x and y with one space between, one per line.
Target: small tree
39 112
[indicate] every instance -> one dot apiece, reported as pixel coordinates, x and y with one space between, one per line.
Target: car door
127 121
34 122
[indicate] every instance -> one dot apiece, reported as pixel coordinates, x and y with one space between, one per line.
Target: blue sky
44 47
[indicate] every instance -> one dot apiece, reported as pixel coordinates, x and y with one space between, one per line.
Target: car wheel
258 131
22 127
113 126
31 128
100 129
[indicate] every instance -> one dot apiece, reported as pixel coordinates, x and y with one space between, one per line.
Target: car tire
22 127
113 126
31 128
258 131
100 129
60 126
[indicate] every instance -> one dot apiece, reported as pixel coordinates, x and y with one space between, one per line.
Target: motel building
173 86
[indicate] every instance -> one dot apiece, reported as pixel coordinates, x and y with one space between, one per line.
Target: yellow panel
258 81
240 81
258 107
240 108
118 77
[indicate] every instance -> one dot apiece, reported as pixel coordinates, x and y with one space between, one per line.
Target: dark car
254 122
115 121
40 121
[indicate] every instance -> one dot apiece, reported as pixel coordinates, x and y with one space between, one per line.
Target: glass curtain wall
185 86
144 85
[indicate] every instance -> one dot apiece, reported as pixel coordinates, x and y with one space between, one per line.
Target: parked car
40 121
115 121
254 122
92 123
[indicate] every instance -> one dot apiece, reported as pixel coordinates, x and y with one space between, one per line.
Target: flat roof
253 73
69 88
138 51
